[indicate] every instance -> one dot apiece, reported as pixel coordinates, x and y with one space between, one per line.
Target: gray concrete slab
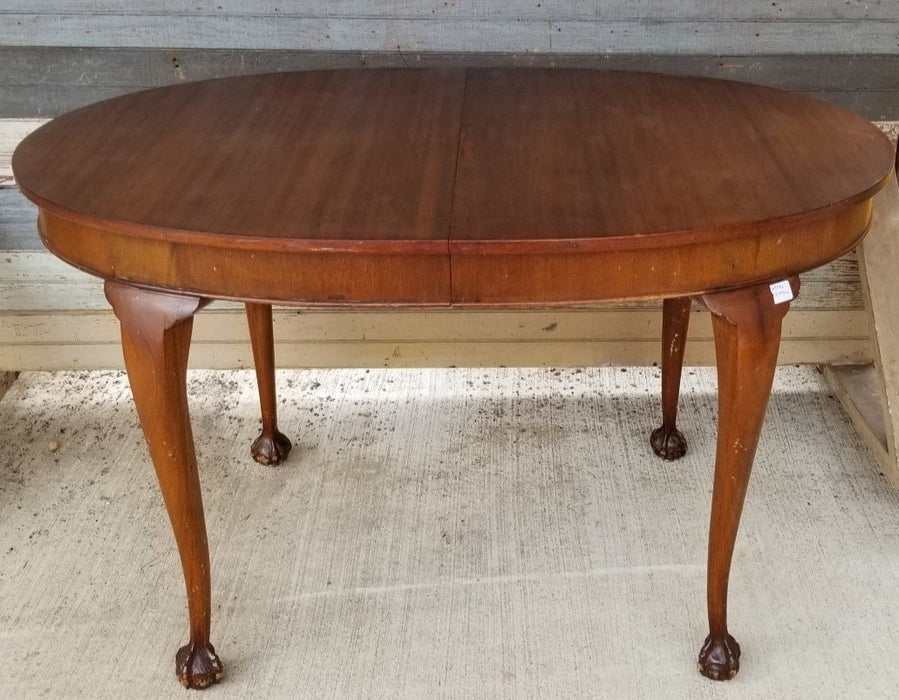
442 533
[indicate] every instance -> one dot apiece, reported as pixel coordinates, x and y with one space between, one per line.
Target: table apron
470 274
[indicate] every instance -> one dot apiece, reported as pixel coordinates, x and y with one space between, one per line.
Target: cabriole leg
272 446
156 330
747 326
667 441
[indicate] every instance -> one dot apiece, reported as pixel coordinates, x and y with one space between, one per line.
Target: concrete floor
442 533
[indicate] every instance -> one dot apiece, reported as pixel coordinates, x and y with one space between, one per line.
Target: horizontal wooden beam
89 339
538 31
55 317
45 81
510 10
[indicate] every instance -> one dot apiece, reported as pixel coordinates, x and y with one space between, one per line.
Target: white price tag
781 291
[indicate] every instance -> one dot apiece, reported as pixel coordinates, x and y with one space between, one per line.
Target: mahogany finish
667 441
746 324
454 188
272 446
156 330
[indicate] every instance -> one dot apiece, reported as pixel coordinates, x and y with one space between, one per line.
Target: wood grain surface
317 155
588 154
377 172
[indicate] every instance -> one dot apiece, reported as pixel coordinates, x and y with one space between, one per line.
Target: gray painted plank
51 101
65 356
37 81
476 9
876 106
817 36
750 37
18 230
127 67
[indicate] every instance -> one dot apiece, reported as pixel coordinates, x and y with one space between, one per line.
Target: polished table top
452 188
402 181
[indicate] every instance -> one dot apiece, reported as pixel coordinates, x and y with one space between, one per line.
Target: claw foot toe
668 443
197 666
270 449
719 658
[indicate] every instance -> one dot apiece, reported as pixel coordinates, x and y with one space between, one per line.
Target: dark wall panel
45 81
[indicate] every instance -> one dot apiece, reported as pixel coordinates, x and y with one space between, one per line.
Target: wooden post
869 394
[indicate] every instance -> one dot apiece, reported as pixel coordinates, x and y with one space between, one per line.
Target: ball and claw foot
719 658
198 666
668 443
270 449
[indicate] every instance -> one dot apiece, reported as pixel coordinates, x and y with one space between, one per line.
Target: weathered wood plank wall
59 54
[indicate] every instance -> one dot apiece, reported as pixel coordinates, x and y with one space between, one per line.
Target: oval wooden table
469 188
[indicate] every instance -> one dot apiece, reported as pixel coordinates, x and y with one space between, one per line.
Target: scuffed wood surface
859 389
869 394
878 257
